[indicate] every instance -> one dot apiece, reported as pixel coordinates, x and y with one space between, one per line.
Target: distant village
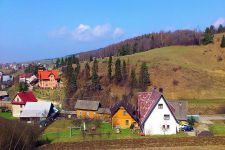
153 114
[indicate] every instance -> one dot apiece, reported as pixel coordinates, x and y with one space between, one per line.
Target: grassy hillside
185 72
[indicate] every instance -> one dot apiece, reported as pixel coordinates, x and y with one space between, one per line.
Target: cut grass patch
7 115
218 128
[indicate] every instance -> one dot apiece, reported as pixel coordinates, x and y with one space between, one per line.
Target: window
21 106
88 114
160 106
166 117
17 99
127 122
168 126
165 126
124 113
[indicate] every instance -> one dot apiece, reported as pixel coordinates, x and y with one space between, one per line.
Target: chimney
161 90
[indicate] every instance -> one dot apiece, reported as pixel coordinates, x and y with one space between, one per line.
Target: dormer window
160 106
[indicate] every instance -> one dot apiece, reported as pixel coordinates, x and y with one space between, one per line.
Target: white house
27 77
156 114
19 102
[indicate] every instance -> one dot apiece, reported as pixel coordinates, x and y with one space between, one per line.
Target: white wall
155 121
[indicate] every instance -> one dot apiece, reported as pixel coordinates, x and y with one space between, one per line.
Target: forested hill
146 42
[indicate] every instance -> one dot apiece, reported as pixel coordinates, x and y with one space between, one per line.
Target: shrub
17 135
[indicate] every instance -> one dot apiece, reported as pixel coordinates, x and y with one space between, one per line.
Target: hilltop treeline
146 42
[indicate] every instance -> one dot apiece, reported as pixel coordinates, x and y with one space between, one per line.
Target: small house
20 100
86 109
4 96
123 115
27 77
48 78
180 109
34 112
156 114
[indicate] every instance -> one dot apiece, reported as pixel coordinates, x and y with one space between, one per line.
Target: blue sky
31 30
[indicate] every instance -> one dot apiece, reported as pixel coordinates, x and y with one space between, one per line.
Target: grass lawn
7 115
59 132
218 128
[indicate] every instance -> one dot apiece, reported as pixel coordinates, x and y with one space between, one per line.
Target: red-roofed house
156 115
20 100
48 78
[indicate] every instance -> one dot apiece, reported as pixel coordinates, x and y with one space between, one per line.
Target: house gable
160 120
122 118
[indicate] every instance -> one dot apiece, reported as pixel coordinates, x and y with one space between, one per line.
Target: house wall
88 114
154 123
122 120
51 83
17 110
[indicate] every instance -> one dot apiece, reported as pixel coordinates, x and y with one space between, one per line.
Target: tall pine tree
208 36
110 68
124 70
87 71
118 74
133 79
222 42
144 80
95 77
57 64
71 85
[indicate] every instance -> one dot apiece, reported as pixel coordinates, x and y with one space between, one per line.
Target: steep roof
25 97
44 75
36 109
147 102
180 109
87 105
127 106
26 75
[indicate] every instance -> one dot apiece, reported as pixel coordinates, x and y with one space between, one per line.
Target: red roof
146 102
25 97
44 75
26 75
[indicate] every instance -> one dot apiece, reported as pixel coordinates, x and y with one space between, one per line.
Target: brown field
204 143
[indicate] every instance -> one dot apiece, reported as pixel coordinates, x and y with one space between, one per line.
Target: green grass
7 115
218 128
59 132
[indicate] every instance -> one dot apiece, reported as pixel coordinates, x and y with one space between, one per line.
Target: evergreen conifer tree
144 77
118 74
110 68
222 42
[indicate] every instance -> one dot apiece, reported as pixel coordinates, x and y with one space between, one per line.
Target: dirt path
138 143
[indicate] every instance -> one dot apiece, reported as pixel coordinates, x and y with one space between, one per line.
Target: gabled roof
150 111
36 109
127 106
26 75
147 101
180 109
44 75
87 105
25 97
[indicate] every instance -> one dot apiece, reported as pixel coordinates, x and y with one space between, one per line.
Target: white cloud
219 22
118 32
85 32
101 30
